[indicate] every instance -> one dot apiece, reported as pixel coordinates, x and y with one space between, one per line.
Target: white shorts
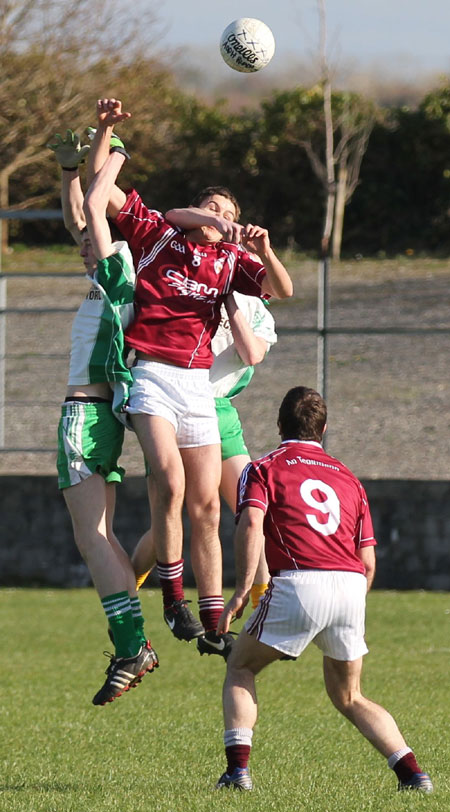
327 608
182 396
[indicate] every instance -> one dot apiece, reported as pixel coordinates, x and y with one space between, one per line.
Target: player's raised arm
72 204
277 282
109 113
70 154
96 203
250 347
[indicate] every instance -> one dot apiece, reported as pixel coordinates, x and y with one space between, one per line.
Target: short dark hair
302 415
217 190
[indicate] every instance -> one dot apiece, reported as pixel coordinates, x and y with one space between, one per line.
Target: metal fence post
322 327
322 330
2 345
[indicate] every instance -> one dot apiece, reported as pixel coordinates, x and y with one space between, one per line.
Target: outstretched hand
255 239
109 112
68 151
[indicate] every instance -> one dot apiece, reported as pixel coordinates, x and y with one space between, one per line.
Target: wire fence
340 358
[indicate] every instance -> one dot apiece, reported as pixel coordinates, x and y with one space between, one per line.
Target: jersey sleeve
116 275
249 275
263 323
135 221
365 534
251 490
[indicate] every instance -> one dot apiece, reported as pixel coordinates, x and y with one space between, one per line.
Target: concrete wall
411 518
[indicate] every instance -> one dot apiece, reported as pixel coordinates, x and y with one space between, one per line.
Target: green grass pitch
159 747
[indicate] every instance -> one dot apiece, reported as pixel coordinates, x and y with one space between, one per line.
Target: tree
348 120
47 53
436 104
333 129
402 203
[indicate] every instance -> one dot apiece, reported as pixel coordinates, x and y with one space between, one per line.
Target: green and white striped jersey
229 375
97 348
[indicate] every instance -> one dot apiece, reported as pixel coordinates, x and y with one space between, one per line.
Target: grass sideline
159 747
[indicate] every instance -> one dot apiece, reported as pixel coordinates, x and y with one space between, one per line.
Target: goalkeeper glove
68 151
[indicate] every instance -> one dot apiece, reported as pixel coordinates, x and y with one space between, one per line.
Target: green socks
138 620
127 639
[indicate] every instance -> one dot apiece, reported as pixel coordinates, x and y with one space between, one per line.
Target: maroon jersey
180 286
316 511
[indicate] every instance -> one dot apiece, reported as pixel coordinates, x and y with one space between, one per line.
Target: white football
247 45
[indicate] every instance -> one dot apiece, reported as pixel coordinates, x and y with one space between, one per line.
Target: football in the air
247 45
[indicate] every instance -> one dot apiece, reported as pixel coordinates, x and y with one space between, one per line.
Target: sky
400 38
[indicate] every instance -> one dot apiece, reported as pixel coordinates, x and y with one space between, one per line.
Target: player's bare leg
231 470
87 502
91 506
247 659
342 681
122 555
144 557
158 441
202 467
240 708
127 565
166 486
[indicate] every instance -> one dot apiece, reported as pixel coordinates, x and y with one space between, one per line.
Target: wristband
121 150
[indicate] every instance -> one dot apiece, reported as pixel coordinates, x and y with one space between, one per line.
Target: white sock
392 760
237 735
